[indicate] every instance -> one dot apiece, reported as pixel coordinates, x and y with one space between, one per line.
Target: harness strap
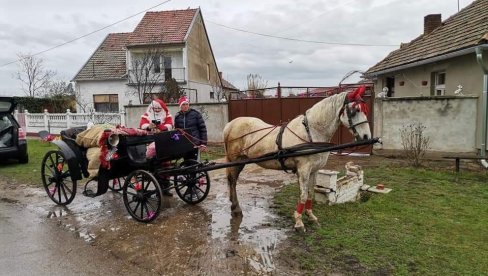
307 128
279 143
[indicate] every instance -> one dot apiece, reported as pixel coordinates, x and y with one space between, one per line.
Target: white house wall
86 89
203 91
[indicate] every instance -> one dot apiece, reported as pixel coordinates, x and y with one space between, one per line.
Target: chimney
431 22
220 75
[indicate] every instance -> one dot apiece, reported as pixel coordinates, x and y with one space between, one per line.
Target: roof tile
462 30
162 27
108 61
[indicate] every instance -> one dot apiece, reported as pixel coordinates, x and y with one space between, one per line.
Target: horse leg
303 178
232 175
311 192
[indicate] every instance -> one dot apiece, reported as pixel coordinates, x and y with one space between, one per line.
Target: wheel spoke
64 191
142 210
150 205
66 187
59 192
137 206
50 168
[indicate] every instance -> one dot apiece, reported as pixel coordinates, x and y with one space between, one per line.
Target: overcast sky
32 26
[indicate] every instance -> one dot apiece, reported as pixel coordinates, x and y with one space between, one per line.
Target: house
227 87
439 62
437 79
127 68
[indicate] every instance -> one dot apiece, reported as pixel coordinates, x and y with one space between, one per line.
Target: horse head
353 114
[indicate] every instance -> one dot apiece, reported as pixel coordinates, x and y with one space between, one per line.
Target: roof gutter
484 99
426 61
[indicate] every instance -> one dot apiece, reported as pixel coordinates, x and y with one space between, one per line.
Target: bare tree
33 76
220 94
415 143
146 73
256 85
59 88
85 105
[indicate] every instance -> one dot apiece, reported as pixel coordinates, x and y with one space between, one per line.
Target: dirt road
191 240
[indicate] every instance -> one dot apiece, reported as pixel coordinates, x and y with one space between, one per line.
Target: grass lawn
29 173
428 225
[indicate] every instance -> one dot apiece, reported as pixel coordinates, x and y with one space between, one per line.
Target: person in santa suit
157 117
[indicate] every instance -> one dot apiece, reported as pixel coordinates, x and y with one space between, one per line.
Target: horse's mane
330 104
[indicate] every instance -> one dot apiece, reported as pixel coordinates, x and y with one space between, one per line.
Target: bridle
350 113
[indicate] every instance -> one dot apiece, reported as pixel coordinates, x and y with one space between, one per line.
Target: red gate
283 109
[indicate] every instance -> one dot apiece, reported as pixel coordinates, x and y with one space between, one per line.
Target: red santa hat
183 100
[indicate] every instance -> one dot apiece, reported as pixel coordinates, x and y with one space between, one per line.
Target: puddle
184 239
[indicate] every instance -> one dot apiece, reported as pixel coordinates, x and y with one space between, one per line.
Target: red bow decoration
357 94
356 98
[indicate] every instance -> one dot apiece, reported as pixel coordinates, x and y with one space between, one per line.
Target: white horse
247 138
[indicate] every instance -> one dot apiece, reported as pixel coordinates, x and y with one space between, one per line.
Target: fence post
46 121
26 120
68 118
122 117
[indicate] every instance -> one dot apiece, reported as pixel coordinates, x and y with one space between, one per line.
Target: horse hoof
300 229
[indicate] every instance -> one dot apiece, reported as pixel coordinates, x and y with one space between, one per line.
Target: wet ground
185 239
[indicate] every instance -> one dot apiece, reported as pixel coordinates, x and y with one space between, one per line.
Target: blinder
351 112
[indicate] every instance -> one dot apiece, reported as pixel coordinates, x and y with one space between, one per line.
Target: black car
13 143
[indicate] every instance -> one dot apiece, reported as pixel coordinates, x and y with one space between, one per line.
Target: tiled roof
162 27
463 30
228 85
108 61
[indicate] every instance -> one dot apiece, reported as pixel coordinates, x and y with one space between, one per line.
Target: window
212 95
208 71
106 103
156 64
440 83
167 68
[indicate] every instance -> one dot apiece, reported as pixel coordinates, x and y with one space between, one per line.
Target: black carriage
141 180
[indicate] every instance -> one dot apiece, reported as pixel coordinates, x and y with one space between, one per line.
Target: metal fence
55 122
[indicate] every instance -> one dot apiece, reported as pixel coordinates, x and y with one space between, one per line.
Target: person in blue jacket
191 120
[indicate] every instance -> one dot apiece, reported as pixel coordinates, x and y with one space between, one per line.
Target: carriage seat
137 154
71 133
69 136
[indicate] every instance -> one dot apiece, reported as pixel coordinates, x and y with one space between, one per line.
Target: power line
303 40
88 34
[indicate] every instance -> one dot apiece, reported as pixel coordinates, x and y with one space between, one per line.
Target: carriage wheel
56 178
142 196
116 184
192 188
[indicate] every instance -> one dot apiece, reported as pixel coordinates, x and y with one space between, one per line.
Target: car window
4 122
5 106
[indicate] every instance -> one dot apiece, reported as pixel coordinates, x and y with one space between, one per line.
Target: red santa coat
157 110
